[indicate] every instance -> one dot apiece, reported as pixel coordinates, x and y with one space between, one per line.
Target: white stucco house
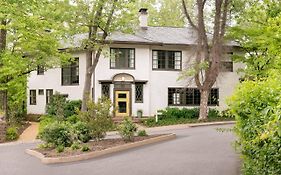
143 75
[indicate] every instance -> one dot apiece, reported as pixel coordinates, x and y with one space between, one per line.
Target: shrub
12 133
71 107
213 113
60 148
56 106
81 132
257 107
142 133
180 113
57 133
44 121
98 117
127 129
75 146
85 148
73 119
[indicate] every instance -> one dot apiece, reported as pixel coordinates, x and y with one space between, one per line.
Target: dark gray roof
151 35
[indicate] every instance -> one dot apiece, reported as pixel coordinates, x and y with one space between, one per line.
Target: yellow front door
122 103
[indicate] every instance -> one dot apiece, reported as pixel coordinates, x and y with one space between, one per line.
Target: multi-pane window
166 60
190 97
41 91
139 92
32 97
40 70
49 94
226 66
70 73
122 58
105 90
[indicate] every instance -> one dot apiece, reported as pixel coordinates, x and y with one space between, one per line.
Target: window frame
40 70
142 90
167 60
128 49
71 67
32 97
48 97
183 96
102 90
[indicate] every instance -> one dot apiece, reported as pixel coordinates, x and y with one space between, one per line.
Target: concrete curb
86 156
212 123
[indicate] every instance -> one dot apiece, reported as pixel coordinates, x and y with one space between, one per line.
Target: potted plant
139 113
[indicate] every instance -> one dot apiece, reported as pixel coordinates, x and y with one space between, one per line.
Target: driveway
196 151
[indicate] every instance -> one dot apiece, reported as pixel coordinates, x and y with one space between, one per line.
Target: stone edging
90 155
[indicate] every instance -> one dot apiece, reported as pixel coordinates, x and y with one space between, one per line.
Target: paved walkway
195 151
30 133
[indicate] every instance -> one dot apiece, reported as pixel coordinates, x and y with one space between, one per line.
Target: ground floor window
49 94
105 90
32 97
139 92
190 97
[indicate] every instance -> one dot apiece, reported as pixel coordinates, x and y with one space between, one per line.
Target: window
40 70
105 90
32 97
41 92
70 74
226 66
49 94
166 60
190 97
139 92
122 58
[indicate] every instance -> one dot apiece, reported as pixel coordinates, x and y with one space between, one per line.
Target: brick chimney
143 17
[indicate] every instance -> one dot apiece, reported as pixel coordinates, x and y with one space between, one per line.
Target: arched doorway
123 94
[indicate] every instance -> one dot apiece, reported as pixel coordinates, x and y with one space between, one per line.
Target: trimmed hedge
257 108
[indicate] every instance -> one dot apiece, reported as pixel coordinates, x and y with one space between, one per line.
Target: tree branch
188 16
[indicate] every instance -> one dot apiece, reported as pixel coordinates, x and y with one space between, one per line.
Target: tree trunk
87 84
203 115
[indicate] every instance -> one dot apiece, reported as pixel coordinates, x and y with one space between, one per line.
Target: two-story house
142 75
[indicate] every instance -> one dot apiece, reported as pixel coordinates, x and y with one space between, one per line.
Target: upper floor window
166 60
226 66
122 58
40 70
70 73
190 97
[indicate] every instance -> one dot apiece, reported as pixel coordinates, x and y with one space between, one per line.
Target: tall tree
98 19
163 12
209 47
29 34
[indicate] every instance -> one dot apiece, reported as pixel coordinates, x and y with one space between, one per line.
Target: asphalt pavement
196 151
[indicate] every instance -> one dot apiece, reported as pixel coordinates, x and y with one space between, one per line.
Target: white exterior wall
155 95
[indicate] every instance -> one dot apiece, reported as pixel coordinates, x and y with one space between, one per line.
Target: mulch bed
93 145
4 126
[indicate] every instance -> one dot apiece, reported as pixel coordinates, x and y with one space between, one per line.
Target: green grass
174 121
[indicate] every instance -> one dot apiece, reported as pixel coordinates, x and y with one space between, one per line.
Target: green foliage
85 148
75 146
73 119
81 132
62 108
45 121
257 108
142 133
58 134
127 129
188 113
12 133
71 107
98 117
60 148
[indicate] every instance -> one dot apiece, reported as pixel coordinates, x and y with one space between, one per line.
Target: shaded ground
196 151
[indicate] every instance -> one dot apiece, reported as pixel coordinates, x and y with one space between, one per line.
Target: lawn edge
91 155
